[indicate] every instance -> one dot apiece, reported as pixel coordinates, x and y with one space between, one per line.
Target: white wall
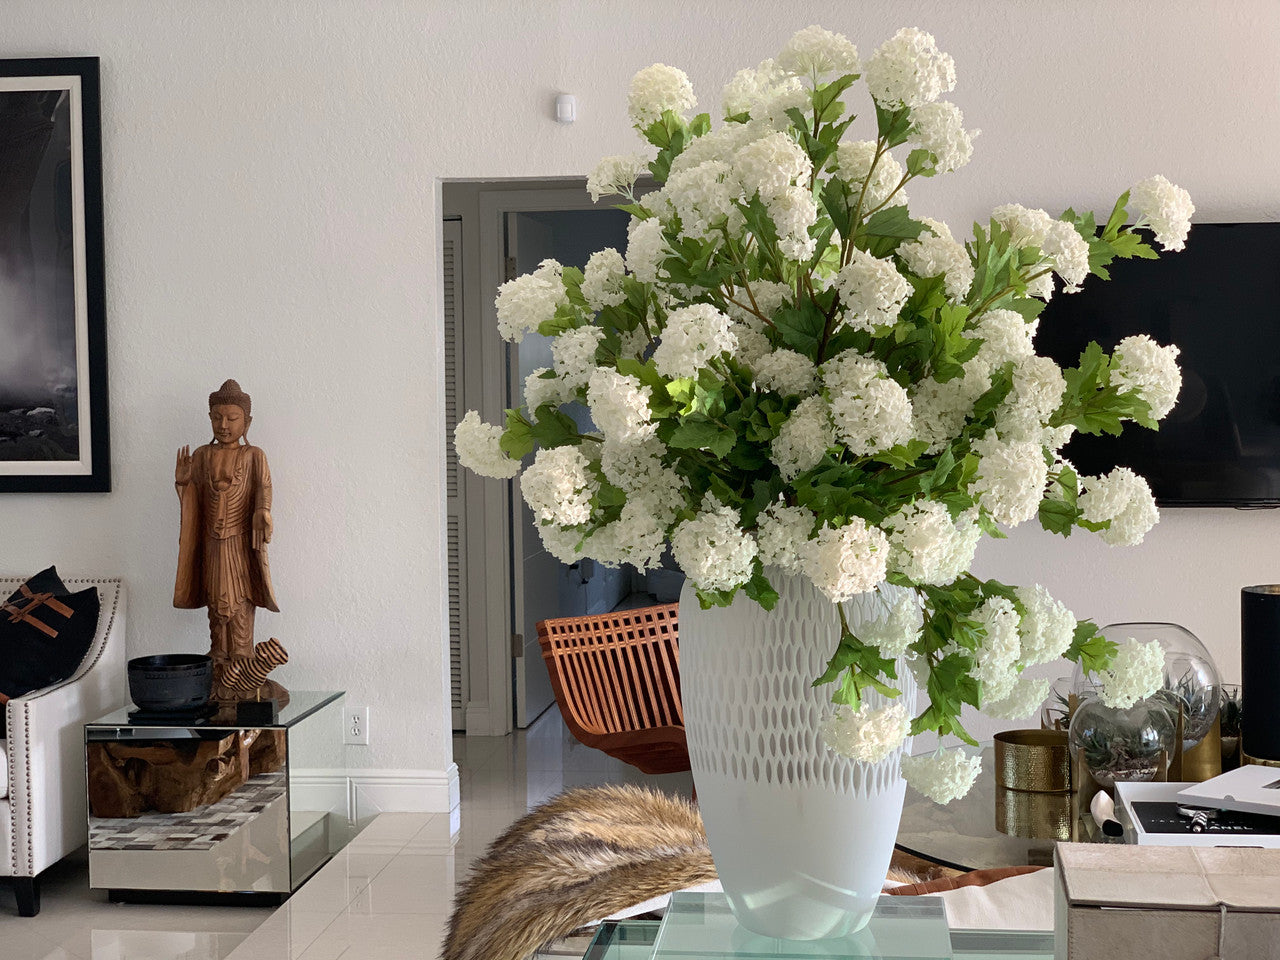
272 213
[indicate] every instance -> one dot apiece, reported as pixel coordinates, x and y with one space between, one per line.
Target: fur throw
577 858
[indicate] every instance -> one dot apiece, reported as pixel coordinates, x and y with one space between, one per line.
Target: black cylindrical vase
1260 667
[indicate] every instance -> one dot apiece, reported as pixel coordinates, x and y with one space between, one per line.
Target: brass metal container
1033 760
1034 814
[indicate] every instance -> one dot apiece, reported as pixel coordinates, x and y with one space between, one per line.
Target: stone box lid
1177 878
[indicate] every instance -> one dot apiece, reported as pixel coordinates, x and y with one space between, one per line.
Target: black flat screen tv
1219 301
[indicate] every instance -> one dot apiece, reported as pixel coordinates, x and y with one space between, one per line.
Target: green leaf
759 589
893 222
801 327
1058 517
893 125
1090 649
701 434
566 317
555 430
517 439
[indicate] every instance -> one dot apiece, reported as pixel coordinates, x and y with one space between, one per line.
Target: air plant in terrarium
1197 701
1123 743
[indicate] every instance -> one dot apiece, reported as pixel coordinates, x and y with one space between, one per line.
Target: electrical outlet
355 725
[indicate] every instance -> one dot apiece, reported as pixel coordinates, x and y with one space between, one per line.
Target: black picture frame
53 345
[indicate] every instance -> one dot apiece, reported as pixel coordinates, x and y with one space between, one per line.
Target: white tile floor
387 896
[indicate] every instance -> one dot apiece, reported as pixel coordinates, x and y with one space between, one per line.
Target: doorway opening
502 580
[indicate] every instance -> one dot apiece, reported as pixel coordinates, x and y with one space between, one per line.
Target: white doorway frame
492 540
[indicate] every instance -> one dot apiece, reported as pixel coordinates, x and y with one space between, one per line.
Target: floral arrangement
790 374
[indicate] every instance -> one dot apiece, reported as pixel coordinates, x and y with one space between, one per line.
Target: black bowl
171 681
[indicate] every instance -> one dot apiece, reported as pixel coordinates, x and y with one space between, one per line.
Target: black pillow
45 632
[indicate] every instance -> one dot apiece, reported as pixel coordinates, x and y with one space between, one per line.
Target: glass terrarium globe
1190 682
1125 745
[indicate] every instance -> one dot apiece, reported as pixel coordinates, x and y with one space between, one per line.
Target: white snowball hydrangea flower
657 89
782 532
803 438
566 545
693 337
852 163
944 777
749 87
616 176
816 52
619 405
711 548
1027 227
869 735
1125 499
703 198
786 372
872 291
996 658
771 164
573 354
763 92
941 408
928 546
766 295
896 631
753 345
646 249
937 254
909 70
558 486
793 212
789 94
845 561
1025 699
1142 366
633 465
1011 478
1005 334
1070 253
720 144
871 412
1136 672
939 128
602 279
1047 627
477 445
637 537
633 343
542 391
1166 208
526 301
1038 388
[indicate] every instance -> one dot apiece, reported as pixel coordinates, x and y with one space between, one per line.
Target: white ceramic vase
801 836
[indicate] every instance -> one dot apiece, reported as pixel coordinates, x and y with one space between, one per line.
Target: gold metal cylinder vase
1033 784
1038 760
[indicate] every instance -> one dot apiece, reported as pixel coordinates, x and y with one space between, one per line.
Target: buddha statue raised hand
224 488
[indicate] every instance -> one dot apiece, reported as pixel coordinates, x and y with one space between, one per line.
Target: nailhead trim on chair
13 769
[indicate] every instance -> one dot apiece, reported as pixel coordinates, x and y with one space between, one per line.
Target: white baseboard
402 791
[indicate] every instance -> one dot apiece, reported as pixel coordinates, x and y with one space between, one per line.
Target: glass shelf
700 925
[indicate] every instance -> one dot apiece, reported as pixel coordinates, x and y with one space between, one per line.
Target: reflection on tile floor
386 896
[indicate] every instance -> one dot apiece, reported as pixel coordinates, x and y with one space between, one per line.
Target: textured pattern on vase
753 711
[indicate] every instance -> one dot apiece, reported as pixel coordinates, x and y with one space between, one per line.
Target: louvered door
452 295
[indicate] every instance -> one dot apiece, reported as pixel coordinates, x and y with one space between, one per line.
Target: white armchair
42 781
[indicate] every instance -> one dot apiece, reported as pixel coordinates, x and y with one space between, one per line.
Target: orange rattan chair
617 680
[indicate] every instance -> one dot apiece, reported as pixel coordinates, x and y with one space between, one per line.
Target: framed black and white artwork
53 351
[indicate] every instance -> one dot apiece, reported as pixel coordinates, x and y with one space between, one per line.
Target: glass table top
963 834
699 925
302 703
